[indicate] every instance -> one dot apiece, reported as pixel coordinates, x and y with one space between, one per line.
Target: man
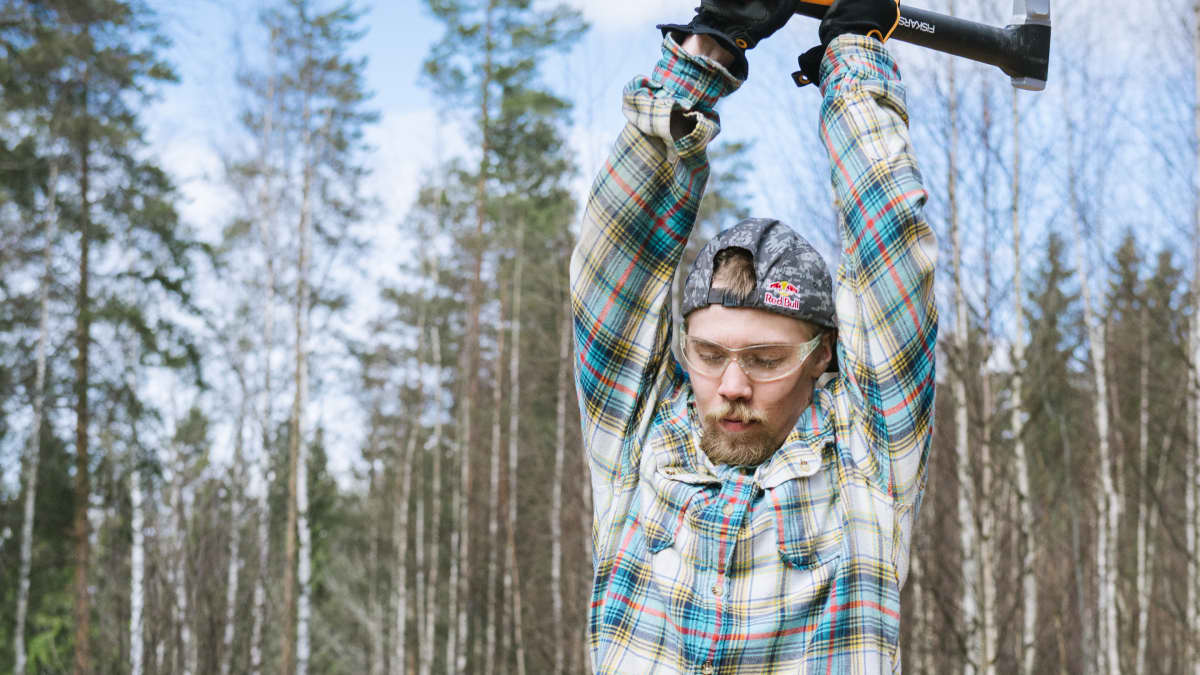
753 514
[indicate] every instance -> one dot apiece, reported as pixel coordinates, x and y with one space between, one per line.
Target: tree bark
966 486
267 237
985 503
235 516
460 636
83 341
375 605
493 559
435 513
404 472
512 578
1144 581
304 533
1192 471
1108 503
183 614
137 569
1027 652
34 452
556 510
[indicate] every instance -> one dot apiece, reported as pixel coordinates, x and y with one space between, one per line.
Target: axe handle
1017 50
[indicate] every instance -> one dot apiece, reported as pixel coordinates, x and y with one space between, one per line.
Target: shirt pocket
667 498
809 521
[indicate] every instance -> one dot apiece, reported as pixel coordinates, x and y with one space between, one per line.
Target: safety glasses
760 363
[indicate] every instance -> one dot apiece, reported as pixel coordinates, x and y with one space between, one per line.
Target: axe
1021 49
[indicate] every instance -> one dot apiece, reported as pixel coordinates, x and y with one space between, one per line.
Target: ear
822 356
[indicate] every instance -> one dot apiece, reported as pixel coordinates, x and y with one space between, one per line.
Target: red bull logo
783 288
779 294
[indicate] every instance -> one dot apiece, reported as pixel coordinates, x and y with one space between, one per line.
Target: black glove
810 67
737 26
873 18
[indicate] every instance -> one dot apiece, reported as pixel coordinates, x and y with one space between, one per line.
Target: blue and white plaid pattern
796 565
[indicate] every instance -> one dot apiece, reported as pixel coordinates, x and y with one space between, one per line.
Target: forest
173 395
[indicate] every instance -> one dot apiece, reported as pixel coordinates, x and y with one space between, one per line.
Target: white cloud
618 14
408 144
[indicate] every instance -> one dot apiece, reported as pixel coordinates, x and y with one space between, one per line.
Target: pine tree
306 116
486 66
83 71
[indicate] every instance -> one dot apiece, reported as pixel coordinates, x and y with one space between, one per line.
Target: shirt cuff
856 57
695 82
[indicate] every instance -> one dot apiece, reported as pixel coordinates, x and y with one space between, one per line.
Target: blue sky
192 121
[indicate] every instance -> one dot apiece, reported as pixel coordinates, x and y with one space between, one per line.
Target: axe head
1030 30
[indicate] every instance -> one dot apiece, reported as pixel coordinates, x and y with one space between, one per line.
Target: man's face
744 421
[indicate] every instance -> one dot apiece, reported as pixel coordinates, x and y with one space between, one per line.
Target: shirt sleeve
887 320
639 214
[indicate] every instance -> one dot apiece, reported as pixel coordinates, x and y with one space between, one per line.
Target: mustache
737 410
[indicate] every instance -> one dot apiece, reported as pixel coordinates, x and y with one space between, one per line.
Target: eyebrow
747 346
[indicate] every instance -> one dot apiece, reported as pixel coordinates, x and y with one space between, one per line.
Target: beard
741 448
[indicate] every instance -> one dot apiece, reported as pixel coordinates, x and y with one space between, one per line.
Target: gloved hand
873 18
737 25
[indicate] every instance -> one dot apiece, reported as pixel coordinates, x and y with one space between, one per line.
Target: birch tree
33 454
966 492
313 101
1028 651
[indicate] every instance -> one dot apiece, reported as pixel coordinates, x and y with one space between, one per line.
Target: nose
734 383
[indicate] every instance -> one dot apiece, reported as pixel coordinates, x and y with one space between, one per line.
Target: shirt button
728 509
716 589
707 669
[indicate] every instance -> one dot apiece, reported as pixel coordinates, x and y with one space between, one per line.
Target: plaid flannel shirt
795 565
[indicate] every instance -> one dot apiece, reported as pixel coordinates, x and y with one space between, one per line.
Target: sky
190 122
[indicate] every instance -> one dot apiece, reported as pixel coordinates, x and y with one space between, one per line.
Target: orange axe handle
1020 50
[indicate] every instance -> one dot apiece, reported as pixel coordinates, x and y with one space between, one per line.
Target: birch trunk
137 570
987 544
34 452
1192 475
460 638
493 562
920 625
182 610
586 522
512 578
266 232
985 502
1029 597
1146 494
83 341
1108 503
264 558
299 543
456 547
435 514
304 534
376 606
556 511
419 577
966 487
231 587
404 472
235 513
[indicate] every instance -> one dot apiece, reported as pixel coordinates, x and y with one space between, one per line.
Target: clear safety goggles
760 363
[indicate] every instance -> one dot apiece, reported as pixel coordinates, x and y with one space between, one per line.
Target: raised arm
886 314
637 220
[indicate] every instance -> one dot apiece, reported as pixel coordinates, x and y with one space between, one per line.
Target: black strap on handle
1021 51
